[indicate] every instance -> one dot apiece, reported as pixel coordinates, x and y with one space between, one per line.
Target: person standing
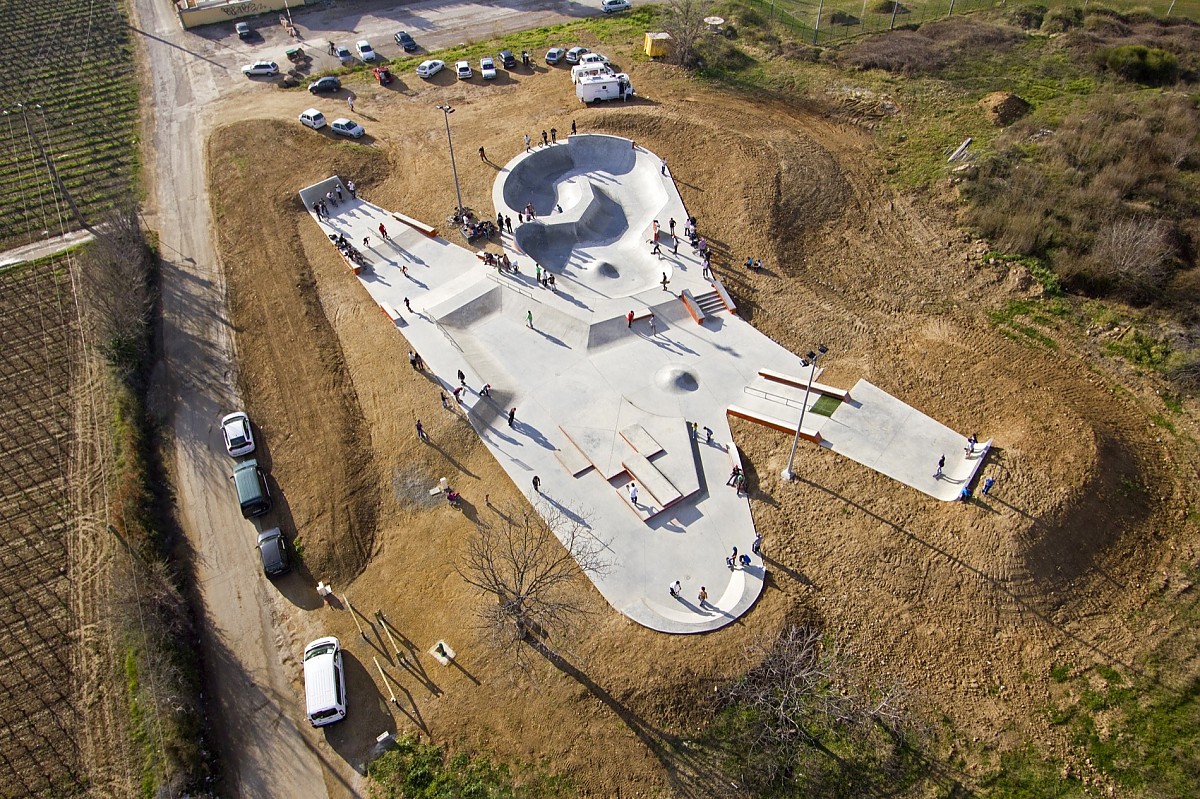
482 155
702 597
350 101
732 559
508 223
629 319
458 394
545 139
529 319
512 416
445 403
671 223
383 234
352 189
676 587
572 127
412 360
462 378
987 485
554 135
421 432
537 272
408 305
338 189
537 484
941 465
633 493
486 391
664 279
653 326
527 142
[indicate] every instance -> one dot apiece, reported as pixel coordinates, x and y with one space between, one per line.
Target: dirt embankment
971 604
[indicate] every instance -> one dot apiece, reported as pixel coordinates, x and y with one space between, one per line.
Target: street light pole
447 111
809 360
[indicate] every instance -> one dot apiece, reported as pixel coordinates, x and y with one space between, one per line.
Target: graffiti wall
198 12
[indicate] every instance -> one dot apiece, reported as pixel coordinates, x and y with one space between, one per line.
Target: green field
69 101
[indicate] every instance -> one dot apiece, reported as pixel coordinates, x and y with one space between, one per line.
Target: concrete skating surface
603 404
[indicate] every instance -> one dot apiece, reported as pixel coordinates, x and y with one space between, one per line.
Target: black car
406 41
273 549
326 84
507 59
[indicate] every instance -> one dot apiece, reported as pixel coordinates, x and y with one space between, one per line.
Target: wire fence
826 23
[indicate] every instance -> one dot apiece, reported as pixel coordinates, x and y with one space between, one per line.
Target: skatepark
604 403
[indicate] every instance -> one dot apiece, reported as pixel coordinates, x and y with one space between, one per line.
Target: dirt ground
971 604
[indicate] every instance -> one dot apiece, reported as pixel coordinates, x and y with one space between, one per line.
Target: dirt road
253 630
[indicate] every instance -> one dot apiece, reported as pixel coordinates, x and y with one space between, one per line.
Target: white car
347 127
312 118
487 68
593 58
430 68
343 54
576 53
609 6
554 55
463 70
364 50
238 435
261 68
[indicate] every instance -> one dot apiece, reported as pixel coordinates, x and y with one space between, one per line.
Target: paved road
253 629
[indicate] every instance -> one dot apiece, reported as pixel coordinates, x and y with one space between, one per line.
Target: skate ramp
535 178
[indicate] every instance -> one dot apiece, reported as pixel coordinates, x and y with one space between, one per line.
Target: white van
589 70
324 682
312 118
594 88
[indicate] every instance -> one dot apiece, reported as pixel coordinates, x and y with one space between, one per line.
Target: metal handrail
791 403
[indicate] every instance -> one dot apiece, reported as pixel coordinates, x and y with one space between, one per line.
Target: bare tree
684 20
530 559
1137 254
800 689
116 278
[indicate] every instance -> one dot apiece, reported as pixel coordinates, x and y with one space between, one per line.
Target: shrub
907 52
842 18
1062 19
1027 17
888 6
1150 66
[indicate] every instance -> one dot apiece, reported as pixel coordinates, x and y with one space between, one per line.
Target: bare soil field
972 604
38 749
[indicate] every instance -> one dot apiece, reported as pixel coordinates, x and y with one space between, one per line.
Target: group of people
503 222
737 479
347 249
753 263
474 230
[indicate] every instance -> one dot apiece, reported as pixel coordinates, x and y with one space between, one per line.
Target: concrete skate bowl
594 219
535 178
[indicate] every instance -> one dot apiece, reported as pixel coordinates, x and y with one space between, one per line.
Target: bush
1027 17
1062 19
1150 66
888 6
842 18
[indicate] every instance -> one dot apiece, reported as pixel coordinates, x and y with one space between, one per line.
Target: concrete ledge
692 306
390 312
771 422
651 480
723 294
797 382
416 225
642 442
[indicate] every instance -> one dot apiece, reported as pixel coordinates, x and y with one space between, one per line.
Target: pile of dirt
971 604
1003 108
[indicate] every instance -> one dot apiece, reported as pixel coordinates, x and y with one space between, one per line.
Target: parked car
254 495
554 55
343 54
326 84
312 118
365 52
430 68
237 432
463 70
593 58
609 6
487 68
507 59
324 682
243 30
406 41
576 53
383 75
347 127
273 552
261 68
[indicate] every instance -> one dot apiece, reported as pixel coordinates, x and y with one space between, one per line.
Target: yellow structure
658 44
205 12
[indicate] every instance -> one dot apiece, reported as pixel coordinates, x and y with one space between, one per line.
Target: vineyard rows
38 753
69 96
